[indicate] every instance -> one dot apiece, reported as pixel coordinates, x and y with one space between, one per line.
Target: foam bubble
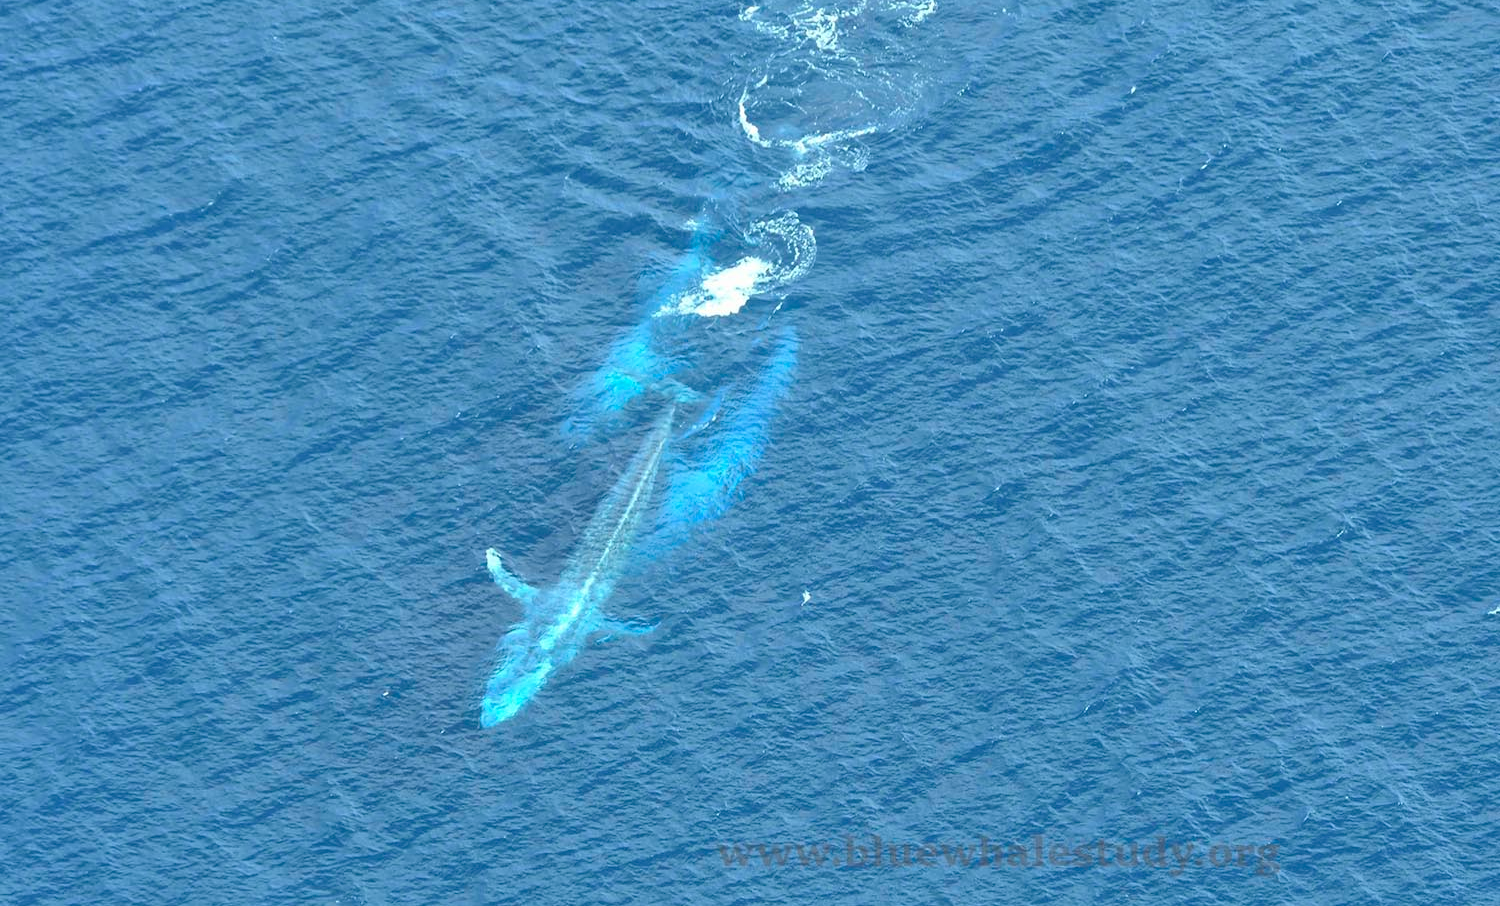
919 12
795 242
722 292
784 250
843 71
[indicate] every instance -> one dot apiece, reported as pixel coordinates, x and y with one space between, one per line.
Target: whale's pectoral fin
609 629
508 581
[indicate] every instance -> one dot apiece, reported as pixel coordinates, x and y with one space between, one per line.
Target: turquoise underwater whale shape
558 621
708 463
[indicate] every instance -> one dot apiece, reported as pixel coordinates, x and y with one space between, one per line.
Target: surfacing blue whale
708 461
559 621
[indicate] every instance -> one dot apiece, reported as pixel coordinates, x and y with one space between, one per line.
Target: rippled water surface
1137 479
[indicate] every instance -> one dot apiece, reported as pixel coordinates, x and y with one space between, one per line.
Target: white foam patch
785 249
919 12
722 292
816 153
807 173
816 168
805 24
750 128
795 239
804 143
847 69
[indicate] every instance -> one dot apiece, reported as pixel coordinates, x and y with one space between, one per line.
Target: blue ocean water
1140 464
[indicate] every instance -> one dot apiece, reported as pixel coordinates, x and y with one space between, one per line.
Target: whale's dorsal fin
505 579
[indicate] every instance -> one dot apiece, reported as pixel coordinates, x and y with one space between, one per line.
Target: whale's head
524 668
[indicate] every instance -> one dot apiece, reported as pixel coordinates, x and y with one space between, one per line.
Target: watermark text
874 851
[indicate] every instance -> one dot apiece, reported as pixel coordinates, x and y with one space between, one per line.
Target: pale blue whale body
559 620
708 464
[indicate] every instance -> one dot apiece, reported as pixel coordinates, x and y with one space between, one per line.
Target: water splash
784 250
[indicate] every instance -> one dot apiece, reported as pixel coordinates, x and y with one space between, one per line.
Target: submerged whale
708 463
560 620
